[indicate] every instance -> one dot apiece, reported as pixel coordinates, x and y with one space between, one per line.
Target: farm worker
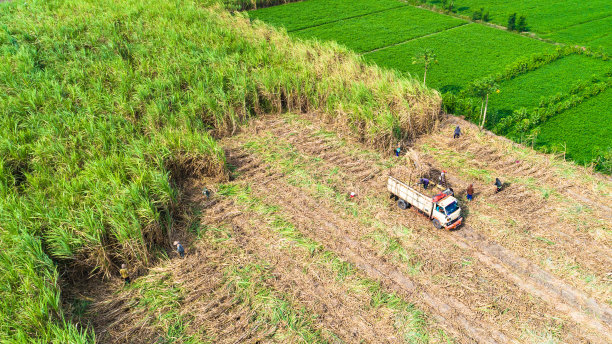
457 132
206 192
498 184
425 182
470 192
124 274
443 178
352 195
179 249
398 149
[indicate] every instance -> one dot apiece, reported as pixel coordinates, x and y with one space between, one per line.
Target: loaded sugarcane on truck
442 209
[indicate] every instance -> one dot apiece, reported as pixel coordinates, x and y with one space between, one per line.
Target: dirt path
566 299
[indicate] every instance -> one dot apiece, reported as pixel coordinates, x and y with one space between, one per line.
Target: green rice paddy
529 89
583 33
465 53
300 15
381 29
543 16
584 130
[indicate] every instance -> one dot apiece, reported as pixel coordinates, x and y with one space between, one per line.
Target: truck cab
446 213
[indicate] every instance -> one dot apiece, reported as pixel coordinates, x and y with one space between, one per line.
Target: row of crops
550 95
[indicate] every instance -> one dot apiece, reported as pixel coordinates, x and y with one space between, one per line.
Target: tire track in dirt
563 296
520 270
529 207
305 214
534 280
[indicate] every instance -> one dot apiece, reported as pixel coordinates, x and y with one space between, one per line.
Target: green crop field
381 29
557 77
585 129
300 15
465 53
583 33
543 16
604 43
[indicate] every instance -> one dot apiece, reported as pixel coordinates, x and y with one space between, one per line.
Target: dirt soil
531 264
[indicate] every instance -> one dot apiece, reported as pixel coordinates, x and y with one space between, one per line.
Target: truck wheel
436 223
402 204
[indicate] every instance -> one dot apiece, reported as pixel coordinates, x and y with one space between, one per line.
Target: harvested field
556 215
364 271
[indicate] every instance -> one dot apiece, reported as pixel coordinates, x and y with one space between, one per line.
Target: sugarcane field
316 171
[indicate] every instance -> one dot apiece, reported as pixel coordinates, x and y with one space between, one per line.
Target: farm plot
300 15
527 90
381 29
283 255
584 131
250 276
317 171
585 33
465 53
542 16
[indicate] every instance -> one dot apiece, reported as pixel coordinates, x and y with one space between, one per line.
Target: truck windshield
451 208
